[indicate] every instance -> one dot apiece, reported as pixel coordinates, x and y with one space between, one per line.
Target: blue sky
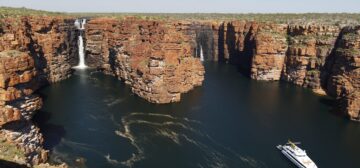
193 6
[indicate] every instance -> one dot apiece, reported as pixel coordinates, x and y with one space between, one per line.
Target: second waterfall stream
80 24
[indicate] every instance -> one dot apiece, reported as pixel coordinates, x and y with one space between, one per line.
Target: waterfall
201 54
80 24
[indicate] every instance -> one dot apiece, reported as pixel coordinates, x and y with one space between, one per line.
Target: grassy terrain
10 152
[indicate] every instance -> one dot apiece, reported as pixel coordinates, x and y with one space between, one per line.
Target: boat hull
298 163
292 159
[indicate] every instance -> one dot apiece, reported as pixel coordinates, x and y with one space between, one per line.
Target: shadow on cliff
52 133
234 53
112 61
327 69
325 74
8 164
37 53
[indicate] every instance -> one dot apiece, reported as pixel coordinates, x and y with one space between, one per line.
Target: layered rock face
51 41
344 70
309 48
269 56
18 83
154 57
18 104
34 51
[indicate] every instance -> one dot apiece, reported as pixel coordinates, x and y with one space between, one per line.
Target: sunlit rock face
34 51
309 49
154 57
270 49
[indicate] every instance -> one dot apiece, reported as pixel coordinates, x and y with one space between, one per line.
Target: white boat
296 155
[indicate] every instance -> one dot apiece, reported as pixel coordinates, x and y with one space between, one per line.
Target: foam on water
178 131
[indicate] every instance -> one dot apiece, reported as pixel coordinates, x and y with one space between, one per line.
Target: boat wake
145 130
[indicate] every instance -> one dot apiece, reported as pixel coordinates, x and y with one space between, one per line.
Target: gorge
160 60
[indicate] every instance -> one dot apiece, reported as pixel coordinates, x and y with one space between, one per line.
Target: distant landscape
324 18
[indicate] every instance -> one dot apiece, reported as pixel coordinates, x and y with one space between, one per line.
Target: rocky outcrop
18 104
344 70
309 48
154 57
269 56
34 51
17 73
28 139
50 41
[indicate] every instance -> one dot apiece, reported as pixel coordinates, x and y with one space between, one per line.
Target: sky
190 6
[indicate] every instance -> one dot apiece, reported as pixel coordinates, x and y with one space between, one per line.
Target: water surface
92 120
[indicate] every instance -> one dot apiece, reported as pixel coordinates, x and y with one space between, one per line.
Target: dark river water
92 120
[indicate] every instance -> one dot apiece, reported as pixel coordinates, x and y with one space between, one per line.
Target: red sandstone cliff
154 57
33 51
344 80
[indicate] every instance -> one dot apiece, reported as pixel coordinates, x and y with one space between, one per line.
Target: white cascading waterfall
81 64
80 24
201 54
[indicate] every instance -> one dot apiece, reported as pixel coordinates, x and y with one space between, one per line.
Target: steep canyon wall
34 51
322 57
154 57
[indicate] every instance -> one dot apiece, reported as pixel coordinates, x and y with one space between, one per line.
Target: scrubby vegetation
10 152
17 12
10 53
323 18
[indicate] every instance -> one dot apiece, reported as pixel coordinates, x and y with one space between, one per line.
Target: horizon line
150 12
